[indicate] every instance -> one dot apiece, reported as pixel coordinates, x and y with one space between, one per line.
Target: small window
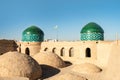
88 52
62 52
27 51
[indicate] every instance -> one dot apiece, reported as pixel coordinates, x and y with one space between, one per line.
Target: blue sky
69 15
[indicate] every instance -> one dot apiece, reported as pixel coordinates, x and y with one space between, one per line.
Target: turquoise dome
33 34
92 32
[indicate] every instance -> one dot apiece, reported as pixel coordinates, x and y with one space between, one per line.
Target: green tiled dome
92 31
92 27
33 34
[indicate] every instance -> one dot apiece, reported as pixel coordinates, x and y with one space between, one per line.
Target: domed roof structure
33 34
92 27
68 76
50 59
92 31
86 68
14 64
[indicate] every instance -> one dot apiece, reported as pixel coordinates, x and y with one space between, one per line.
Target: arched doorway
27 51
88 52
62 52
71 52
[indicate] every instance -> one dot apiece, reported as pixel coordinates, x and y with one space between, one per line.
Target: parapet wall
96 52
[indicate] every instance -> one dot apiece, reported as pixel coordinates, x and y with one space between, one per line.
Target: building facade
91 48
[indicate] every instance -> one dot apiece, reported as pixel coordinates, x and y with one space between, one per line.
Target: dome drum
92 36
32 37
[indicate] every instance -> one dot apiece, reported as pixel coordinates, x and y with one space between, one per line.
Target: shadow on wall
68 63
49 71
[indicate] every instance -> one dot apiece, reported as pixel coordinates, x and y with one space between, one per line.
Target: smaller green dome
33 34
92 28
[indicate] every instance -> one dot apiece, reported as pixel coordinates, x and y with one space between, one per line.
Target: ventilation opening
27 51
97 42
88 52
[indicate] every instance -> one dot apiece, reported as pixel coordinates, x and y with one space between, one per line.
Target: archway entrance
88 52
27 51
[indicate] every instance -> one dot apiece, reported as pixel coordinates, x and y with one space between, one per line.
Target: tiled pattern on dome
92 36
32 37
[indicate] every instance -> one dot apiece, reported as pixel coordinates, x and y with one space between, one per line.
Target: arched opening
62 52
71 52
54 50
27 51
46 49
88 52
